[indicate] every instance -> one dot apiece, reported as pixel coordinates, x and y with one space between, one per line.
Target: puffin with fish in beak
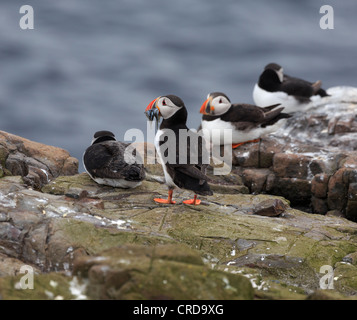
190 173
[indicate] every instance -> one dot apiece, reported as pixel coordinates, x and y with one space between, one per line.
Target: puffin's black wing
297 88
192 159
301 86
268 108
246 116
191 177
106 160
251 113
192 171
243 113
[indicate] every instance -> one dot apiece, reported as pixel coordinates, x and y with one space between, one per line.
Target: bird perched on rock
107 162
181 151
293 93
248 123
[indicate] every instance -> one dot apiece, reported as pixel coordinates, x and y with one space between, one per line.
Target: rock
247 155
312 160
162 272
325 295
319 185
255 179
337 190
291 165
345 276
298 191
334 213
50 286
270 208
351 258
35 162
74 223
319 205
11 266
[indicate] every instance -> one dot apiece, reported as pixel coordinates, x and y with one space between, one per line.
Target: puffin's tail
322 93
269 108
274 116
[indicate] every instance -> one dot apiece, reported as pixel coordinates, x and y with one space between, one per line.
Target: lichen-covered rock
50 286
159 272
74 219
37 163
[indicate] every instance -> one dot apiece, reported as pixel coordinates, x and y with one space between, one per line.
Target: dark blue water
92 65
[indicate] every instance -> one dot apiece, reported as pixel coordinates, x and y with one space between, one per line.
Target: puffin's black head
167 106
277 68
217 103
103 135
273 66
269 80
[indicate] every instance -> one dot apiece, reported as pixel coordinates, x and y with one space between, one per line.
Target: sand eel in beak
248 123
293 93
106 164
182 158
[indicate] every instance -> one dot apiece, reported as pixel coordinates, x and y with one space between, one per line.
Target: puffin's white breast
263 98
216 130
168 178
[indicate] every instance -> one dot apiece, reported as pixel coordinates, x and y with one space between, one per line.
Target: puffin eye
220 100
164 102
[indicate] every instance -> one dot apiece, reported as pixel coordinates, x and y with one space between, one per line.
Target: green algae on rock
159 272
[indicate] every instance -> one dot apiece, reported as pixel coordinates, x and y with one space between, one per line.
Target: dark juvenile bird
293 93
181 151
107 162
248 123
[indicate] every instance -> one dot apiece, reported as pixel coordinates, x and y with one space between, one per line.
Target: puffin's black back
303 83
105 159
299 88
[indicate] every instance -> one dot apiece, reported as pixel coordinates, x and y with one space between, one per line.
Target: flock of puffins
274 92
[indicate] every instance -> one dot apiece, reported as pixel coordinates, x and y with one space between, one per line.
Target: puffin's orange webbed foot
234 146
167 201
193 201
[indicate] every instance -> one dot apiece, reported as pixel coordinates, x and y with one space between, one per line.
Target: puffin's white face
167 107
219 105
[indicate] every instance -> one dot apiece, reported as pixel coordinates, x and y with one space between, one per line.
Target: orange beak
152 105
152 111
206 107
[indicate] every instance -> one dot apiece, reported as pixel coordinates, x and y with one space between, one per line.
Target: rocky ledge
312 160
250 240
35 162
88 241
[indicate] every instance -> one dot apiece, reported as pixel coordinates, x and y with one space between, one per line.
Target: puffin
106 164
186 167
295 94
247 122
